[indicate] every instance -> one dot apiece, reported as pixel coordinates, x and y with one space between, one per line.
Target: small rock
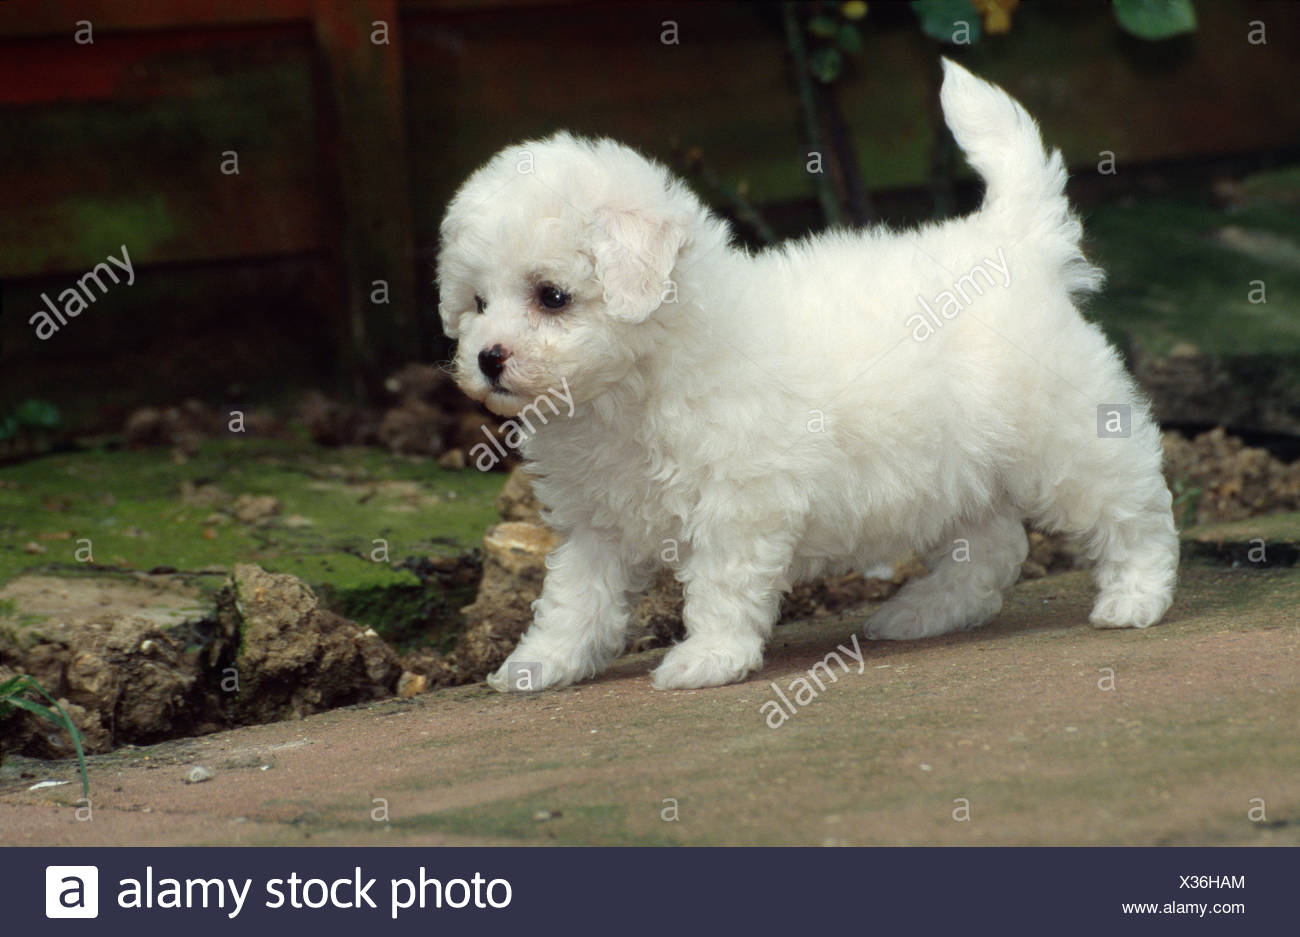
411 684
518 547
199 774
31 546
41 785
542 815
516 501
453 459
413 426
294 657
249 509
202 495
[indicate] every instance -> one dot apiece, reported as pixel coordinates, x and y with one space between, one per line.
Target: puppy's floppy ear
451 273
634 252
450 316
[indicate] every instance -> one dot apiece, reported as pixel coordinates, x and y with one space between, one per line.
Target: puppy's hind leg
1134 545
971 569
1111 498
1137 568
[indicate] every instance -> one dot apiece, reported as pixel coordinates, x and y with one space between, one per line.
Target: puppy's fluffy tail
1025 185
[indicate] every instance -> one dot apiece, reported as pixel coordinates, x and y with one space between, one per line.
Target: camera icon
71 891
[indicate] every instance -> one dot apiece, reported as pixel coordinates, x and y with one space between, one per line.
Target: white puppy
829 404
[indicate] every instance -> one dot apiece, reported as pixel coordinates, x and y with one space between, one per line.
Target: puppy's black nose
492 361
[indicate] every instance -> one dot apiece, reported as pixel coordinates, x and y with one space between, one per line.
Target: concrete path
1037 729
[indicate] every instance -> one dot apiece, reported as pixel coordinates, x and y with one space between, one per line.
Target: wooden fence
349 122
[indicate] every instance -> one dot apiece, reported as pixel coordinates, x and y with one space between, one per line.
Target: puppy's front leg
732 600
579 622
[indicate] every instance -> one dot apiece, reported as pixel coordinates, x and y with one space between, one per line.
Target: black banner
604 890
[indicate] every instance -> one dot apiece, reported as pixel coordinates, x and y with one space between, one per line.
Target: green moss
1269 188
102 225
1174 277
1275 528
13 618
347 518
139 188
406 614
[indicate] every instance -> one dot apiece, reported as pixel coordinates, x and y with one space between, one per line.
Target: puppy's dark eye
482 305
552 298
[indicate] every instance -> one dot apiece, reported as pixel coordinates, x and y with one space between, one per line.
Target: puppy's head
553 256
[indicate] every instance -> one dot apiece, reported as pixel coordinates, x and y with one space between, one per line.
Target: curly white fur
754 420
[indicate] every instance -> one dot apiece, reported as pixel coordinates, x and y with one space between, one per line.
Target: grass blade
10 696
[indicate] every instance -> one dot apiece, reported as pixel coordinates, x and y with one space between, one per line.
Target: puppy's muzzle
492 361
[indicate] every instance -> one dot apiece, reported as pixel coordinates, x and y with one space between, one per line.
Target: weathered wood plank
144 167
365 141
59 17
481 78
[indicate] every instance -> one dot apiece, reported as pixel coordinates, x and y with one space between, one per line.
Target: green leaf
825 64
1156 19
11 686
951 21
853 9
849 39
20 702
40 413
822 26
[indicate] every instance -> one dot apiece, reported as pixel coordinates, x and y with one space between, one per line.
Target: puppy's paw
1130 608
530 672
700 661
927 612
895 621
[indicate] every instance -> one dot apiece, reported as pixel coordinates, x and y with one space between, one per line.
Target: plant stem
744 210
808 105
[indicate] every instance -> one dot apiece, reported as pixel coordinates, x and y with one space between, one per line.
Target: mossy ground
348 517
1273 528
1175 276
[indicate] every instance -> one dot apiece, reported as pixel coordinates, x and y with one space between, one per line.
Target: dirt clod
252 509
514 562
1216 477
291 656
517 501
121 679
411 684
